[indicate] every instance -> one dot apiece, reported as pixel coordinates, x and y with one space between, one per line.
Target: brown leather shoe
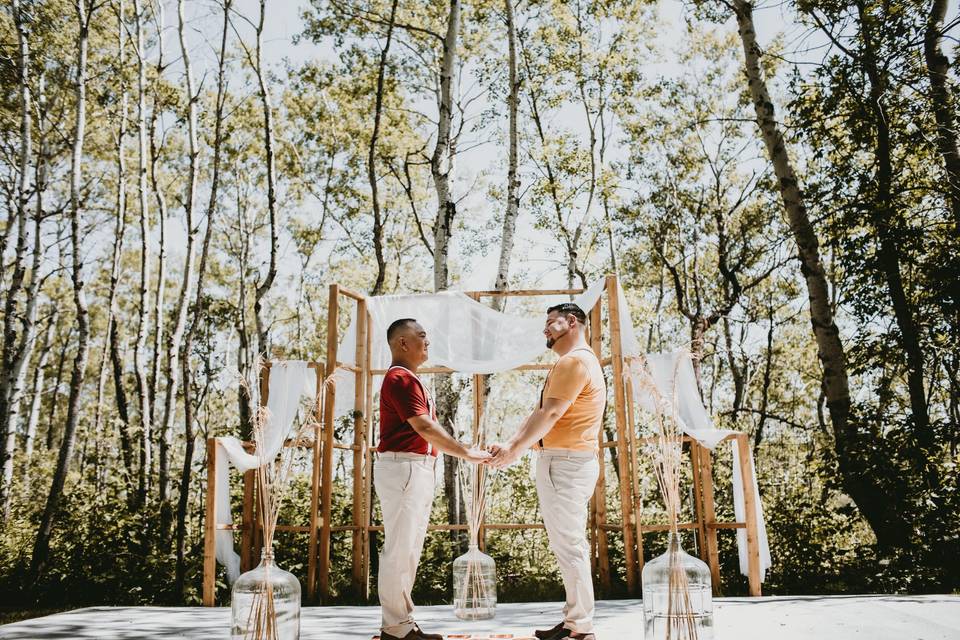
582 636
555 633
427 636
413 634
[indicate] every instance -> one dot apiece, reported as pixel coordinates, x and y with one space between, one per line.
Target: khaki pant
405 483
565 484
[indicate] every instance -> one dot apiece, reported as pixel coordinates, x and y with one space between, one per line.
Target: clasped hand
501 456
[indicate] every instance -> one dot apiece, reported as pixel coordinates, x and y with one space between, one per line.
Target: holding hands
477 456
502 455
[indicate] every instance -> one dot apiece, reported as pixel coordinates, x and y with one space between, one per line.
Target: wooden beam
525 292
368 461
695 448
600 543
634 473
359 297
750 510
326 481
359 429
613 305
315 468
710 519
658 528
210 528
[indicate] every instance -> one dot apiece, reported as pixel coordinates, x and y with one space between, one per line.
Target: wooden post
359 457
623 446
368 460
479 397
315 486
710 518
599 502
695 449
479 386
326 493
210 528
750 510
634 474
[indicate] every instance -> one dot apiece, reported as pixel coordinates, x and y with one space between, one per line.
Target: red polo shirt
403 396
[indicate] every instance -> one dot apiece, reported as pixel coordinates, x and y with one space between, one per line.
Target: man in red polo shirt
405 473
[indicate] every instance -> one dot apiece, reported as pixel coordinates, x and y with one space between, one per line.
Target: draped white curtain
290 382
471 337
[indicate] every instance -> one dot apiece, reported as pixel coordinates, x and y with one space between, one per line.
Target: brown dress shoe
427 636
549 634
413 634
583 636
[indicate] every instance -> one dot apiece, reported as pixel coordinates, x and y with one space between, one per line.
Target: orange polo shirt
577 377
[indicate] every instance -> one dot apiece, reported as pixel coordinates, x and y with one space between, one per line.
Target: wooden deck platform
885 617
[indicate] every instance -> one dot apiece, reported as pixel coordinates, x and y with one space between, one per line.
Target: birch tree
41 546
512 205
119 232
174 342
11 302
143 322
198 310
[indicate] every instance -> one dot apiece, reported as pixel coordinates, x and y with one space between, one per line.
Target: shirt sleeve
408 397
567 380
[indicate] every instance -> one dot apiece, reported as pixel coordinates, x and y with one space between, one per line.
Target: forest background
776 184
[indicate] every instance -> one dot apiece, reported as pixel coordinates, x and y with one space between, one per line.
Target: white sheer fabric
290 381
470 337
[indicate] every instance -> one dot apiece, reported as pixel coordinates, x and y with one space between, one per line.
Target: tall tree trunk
245 360
123 414
379 217
888 224
938 66
174 343
119 230
7 374
156 149
50 437
198 314
442 160
140 348
41 547
36 401
441 168
502 282
868 493
263 288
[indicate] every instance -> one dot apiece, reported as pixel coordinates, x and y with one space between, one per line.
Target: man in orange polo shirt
564 429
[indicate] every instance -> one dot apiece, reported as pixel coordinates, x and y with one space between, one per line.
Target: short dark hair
396 325
568 308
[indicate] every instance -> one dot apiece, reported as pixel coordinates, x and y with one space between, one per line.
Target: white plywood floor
884 617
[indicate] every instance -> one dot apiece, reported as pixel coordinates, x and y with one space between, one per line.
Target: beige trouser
405 484
565 483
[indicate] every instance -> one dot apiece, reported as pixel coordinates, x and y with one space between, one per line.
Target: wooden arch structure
627 443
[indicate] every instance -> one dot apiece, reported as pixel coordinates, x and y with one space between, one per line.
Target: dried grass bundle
666 454
473 489
473 588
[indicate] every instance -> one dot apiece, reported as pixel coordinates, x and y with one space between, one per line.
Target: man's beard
552 341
